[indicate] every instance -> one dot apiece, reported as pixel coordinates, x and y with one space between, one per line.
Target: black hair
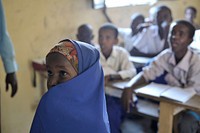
137 16
192 8
190 27
109 26
163 7
85 26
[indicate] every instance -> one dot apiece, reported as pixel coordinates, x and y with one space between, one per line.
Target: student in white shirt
130 35
116 66
114 59
85 33
181 65
152 40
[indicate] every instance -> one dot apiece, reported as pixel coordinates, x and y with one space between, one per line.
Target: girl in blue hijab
75 101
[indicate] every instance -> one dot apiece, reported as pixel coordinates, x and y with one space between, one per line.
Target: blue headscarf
78 105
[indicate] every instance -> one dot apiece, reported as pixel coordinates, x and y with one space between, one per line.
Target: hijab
78 105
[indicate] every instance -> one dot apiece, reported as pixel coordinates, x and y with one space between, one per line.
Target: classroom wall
35 26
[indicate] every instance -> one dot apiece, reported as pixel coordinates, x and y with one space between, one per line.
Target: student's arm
150 72
127 69
126 98
163 30
136 52
194 75
111 77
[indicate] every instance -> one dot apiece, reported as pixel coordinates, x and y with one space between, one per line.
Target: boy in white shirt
152 40
130 35
114 59
116 66
181 65
85 33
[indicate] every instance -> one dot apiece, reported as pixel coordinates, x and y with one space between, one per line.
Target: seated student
190 15
114 59
85 33
116 66
129 35
179 62
73 104
153 39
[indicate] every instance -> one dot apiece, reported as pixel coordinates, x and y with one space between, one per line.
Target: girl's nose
53 81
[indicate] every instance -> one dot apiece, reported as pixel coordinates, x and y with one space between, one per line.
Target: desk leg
166 117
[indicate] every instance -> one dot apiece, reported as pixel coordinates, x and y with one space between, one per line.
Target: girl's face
59 69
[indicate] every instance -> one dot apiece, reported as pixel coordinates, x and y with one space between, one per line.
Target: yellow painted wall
35 25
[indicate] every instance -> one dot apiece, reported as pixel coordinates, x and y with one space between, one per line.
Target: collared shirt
185 74
147 41
118 62
127 37
6 48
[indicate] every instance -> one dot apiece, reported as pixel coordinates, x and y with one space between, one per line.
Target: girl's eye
63 73
49 73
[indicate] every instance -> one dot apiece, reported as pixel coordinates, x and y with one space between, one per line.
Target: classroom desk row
168 108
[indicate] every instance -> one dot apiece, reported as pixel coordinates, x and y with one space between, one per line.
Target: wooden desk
169 108
143 107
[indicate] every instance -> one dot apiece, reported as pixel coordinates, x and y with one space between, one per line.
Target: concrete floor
137 125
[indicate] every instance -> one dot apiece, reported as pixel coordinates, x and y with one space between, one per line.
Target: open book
170 92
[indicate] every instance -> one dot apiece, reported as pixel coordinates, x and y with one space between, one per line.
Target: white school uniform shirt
185 74
118 62
147 41
127 37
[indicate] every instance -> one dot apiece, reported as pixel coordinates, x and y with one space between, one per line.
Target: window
119 3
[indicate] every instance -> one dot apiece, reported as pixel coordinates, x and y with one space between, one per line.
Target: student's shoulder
97 47
195 55
164 55
166 52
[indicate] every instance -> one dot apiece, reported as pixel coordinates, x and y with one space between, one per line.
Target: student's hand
142 26
106 79
126 99
165 26
12 80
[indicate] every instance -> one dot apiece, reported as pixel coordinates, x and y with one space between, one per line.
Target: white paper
178 94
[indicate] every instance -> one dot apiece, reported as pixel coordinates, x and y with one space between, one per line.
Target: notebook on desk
166 91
